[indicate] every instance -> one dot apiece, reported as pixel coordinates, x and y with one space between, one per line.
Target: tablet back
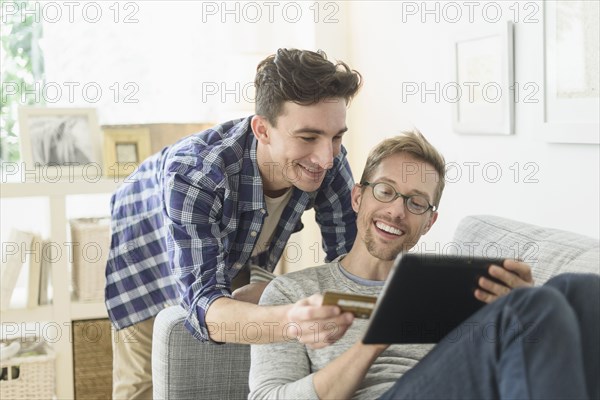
425 297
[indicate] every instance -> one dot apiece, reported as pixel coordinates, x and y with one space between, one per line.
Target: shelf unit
63 311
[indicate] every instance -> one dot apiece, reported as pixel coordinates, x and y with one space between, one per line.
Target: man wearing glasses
546 338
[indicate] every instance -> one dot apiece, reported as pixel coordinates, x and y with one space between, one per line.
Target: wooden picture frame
125 149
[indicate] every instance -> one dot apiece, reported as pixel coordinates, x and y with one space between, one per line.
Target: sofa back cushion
549 251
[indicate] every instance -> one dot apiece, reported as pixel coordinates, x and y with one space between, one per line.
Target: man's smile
388 228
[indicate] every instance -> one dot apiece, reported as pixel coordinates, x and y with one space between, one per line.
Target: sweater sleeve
280 370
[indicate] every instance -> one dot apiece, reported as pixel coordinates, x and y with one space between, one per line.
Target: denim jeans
535 343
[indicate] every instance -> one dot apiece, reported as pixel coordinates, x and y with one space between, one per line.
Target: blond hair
415 144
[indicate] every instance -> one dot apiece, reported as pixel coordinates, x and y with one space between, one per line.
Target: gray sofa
183 368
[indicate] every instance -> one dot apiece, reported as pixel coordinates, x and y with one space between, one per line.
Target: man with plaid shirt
222 204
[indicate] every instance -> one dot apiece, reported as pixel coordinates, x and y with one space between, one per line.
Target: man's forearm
341 377
250 293
234 321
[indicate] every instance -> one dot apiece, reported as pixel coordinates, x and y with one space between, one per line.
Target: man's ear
430 223
260 127
356 196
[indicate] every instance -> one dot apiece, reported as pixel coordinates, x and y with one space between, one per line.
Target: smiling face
301 148
386 229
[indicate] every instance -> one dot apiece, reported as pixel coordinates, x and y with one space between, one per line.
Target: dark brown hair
415 144
303 77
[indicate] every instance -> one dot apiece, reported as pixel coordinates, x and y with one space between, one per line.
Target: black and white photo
59 137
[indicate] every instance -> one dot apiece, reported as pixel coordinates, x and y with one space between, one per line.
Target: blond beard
387 254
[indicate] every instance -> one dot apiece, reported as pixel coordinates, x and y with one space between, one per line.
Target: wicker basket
91 243
92 359
30 377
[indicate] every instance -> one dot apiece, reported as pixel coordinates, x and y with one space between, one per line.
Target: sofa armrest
185 368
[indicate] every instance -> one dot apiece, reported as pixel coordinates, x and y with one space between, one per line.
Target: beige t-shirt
275 208
254 273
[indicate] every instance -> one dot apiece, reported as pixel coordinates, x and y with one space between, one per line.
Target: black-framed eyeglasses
386 193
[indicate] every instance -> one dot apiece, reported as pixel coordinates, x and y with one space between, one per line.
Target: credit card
359 305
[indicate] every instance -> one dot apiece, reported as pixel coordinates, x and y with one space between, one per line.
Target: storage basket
29 377
92 359
91 243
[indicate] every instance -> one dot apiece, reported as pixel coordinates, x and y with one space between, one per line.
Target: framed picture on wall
124 149
571 88
484 77
65 139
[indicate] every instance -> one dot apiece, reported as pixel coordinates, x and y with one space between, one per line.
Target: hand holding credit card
359 305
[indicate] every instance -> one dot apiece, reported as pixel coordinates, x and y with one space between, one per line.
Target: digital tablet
425 297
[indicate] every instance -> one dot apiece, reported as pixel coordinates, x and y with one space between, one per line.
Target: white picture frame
569 110
65 140
484 74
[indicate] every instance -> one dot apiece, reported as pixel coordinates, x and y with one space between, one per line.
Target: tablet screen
425 297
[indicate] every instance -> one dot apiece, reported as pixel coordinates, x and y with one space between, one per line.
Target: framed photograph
67 139
484 79
571 91
124 149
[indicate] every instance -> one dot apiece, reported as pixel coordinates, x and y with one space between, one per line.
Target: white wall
172 61
564 192
174 53
170 52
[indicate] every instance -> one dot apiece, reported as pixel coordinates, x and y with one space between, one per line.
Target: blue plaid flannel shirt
187 220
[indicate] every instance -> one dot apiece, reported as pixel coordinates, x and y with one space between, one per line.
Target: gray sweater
285 370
